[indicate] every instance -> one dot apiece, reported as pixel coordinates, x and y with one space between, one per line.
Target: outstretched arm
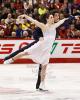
37 23
63 20
60 22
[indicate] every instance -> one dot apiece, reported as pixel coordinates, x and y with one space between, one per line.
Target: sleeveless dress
40 52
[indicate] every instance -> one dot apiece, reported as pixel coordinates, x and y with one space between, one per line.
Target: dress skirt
40 51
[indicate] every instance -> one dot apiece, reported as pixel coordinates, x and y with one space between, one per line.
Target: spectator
64 8
19 31
14 25
57 5
42 10
2 24
25 34
19 20
1 33
8 30
11 11
25 25
77 24
9 19
13 35
7 3
71 32
51 7
77 1
4 13
27 7
75 7
62 33
18 5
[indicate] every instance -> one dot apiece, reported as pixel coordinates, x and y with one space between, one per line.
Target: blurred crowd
12 25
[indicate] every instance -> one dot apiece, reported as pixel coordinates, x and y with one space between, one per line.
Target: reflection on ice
17 82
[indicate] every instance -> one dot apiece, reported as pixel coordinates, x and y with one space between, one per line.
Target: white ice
17 82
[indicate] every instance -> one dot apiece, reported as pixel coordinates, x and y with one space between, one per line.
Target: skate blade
42 90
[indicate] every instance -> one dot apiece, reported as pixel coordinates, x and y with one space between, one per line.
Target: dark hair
55 12
51 13
48 14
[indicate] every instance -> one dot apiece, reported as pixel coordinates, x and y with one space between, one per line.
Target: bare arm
63 20
37 23
60 22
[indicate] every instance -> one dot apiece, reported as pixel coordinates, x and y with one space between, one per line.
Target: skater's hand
23 15
26 16
77 17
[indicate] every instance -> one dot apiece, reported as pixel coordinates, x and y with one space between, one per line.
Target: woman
40 52
37 33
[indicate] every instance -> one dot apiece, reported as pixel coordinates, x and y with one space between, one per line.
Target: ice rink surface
17 82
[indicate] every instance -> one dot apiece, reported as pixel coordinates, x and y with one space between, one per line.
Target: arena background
63 51
66 48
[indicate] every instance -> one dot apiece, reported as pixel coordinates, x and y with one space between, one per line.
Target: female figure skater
40 51
37 34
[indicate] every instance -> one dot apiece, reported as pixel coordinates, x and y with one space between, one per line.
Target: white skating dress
40 52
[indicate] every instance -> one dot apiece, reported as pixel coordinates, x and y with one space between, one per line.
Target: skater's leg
15 58
12 55
39 77
8 59
20 55
43 74
20 50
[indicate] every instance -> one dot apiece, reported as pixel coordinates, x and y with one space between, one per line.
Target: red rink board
52 60
66 51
